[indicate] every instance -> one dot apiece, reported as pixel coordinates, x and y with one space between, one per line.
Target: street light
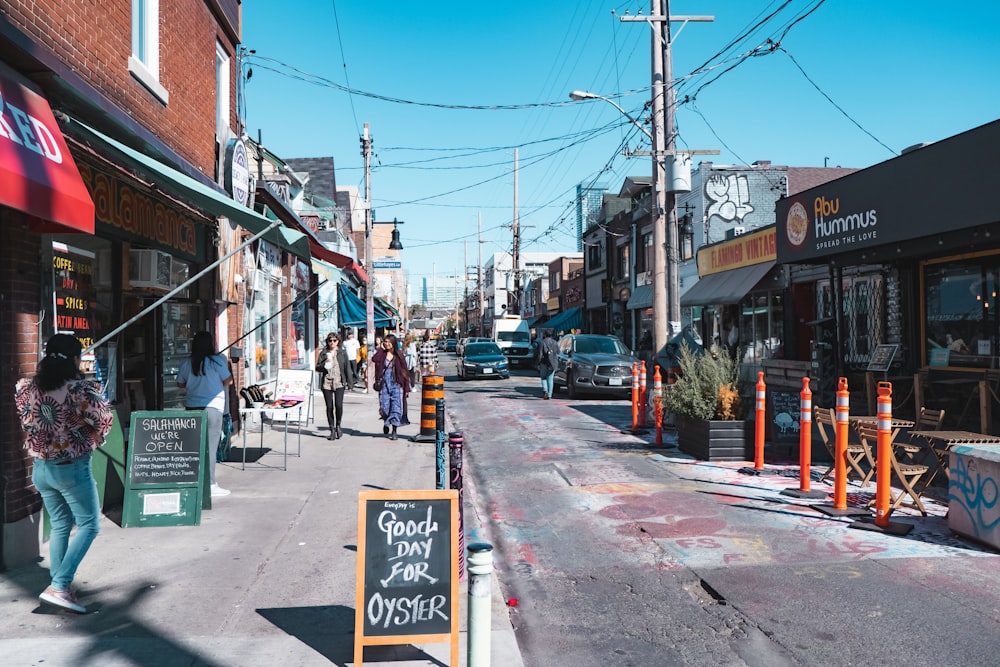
579 95
664 251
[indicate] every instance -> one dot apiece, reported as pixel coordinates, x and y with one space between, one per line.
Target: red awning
316 248
321 252
37 172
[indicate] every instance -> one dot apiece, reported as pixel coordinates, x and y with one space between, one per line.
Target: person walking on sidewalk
428 355
392 383
204 377
548 360
64 418
351 347
335 372
412 357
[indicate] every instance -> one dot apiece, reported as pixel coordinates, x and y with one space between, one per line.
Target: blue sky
853 83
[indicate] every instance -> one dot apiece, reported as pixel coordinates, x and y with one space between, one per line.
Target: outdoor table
265 407
897 424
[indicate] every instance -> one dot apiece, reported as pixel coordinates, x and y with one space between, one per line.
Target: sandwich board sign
167 474
407 569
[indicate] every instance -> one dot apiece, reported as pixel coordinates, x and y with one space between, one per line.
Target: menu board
166 447
407 568
882 357
73 295
785 414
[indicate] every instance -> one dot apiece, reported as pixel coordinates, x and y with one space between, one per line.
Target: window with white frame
221 91
144 63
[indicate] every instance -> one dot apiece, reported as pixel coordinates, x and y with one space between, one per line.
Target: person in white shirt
351 346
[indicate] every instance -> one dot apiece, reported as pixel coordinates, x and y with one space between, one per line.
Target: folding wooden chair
857 453
909 475
861 452
912 452
827 432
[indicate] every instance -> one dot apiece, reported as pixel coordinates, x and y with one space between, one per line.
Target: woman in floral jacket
64 418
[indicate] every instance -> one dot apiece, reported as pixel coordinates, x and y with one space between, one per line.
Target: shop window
761 317
621 262
961 309
144 63
222 77
862 308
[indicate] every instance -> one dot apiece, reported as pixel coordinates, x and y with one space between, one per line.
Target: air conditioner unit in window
259 281
733 232
150 269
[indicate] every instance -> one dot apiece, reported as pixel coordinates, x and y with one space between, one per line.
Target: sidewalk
267 578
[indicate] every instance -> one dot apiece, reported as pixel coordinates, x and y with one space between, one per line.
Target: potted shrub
705 403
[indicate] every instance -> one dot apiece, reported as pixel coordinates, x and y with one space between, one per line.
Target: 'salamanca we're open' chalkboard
165 468
407 569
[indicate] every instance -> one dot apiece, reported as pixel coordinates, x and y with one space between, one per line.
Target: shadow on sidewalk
329 630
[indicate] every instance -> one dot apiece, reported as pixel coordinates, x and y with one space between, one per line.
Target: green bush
706 388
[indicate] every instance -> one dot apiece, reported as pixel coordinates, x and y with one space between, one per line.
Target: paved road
623 554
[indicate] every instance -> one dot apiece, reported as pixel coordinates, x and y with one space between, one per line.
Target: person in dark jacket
548 360
336 375
392 381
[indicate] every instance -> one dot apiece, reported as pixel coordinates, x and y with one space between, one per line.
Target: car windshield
513 336
480 349
600 345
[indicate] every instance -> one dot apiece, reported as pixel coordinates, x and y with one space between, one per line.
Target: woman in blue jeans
64 418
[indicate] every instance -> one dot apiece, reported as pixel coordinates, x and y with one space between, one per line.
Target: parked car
450 344
460 348
483 360
594 364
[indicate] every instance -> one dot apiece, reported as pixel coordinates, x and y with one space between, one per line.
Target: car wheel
570 387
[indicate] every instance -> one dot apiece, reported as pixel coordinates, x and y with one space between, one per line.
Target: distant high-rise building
441 292
588 208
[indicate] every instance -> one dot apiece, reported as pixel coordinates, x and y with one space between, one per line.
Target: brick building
118 128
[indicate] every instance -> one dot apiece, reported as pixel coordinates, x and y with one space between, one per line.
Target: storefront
906 252
739 299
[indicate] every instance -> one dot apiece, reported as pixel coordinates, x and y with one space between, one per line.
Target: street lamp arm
585 95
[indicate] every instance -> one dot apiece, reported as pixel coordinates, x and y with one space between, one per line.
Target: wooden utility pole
366 152
517 248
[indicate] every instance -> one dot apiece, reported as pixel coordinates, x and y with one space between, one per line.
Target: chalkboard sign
407 568
785 413
882 357
165 447
166 481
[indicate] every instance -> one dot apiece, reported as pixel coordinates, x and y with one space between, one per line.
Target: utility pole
366 152
666 262
479 277
517 247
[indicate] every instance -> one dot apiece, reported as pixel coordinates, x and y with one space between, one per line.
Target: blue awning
352 312
565 321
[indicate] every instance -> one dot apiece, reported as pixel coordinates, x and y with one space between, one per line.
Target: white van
513 336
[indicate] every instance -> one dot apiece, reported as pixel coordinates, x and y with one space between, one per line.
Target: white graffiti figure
730 197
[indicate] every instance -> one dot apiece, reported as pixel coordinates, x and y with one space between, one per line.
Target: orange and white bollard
635 396
883 475
843 414
758 458
642 393
805 446
658 405
805 435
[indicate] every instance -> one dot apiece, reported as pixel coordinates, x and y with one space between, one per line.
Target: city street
621 553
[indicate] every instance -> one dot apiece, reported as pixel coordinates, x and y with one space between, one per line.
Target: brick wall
20 269
97 43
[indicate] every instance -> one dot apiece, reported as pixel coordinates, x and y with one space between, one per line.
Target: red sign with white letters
37 173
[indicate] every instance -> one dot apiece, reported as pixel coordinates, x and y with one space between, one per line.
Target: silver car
594 364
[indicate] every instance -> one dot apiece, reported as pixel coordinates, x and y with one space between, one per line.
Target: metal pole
366 151
156 304
456 441
480 603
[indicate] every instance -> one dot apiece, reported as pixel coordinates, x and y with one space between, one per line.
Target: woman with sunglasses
336 375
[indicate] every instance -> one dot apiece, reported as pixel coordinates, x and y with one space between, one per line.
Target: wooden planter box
712 440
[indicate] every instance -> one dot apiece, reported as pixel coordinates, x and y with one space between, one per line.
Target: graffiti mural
729 197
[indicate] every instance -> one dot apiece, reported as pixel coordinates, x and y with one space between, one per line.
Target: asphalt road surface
621 553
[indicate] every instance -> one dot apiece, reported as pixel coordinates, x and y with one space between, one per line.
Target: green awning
189 190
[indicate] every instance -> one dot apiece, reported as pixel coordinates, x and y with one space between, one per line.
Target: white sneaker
218 491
